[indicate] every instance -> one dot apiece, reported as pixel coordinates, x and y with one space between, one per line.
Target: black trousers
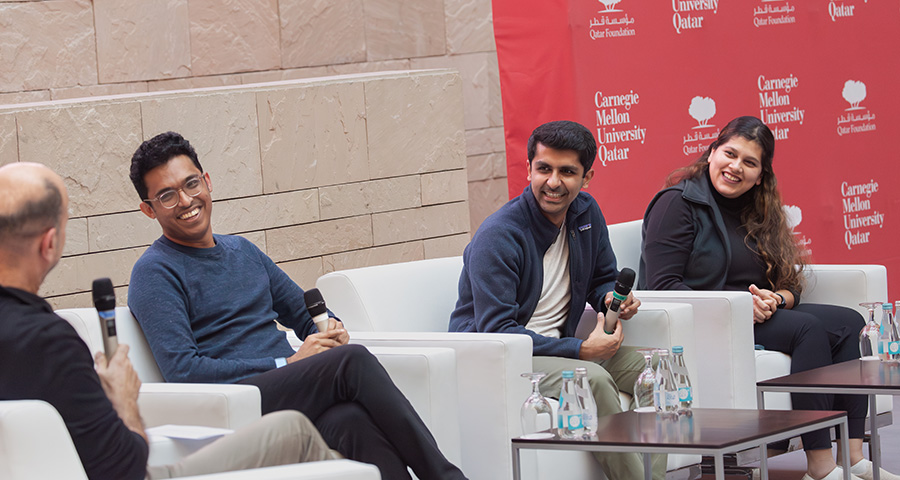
358 410
814 336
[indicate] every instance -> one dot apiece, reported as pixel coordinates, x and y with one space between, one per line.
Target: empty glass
870 334
537 415
645 383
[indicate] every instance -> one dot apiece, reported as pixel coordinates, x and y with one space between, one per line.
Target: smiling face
556 177
188 223
735 167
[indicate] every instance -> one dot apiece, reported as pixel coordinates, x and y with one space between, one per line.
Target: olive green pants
606 378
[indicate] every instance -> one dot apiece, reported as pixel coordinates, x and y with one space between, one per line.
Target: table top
853 374
705 428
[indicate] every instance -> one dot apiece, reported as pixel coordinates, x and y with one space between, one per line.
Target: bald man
42 357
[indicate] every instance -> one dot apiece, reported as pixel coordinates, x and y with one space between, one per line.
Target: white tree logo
702 109
854 93
793 215
610 5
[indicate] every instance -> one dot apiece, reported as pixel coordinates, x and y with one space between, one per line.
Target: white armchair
34 443
730 366
410 304
419 373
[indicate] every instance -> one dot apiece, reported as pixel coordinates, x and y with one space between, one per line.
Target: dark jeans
814 336
359 411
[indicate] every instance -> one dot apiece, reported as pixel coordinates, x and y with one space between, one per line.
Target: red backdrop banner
656 81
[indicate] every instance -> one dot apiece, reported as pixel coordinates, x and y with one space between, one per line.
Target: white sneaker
869 474
836 474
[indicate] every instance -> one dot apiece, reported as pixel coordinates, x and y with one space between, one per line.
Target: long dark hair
764 218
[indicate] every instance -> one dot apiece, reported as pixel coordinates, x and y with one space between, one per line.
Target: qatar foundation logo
774 12
793 215
611 22
702 110
857 118
609 6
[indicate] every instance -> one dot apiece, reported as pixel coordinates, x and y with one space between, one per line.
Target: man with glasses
43 358
207 305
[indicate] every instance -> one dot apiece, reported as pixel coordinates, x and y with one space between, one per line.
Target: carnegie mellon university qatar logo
609 6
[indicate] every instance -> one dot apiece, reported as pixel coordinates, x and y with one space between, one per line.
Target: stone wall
322 174
61 49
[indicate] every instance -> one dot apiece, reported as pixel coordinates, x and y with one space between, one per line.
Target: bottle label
893 347
684 394
671 398
569 422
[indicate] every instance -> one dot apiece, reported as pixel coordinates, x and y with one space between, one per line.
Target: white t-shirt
553 306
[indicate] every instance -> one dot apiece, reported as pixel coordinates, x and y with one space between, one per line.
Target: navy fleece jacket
503 268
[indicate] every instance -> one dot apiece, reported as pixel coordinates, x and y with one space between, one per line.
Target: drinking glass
537 415
870 335
646 381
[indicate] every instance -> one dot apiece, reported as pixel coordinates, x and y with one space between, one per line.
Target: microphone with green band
620 293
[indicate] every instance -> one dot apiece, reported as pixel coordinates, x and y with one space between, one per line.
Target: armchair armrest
330 470
211 405
34 443
723 336
490 390
660 325
846 285
427 378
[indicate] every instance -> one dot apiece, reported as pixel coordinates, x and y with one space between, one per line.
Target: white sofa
420 373
410 304
734 362
34 444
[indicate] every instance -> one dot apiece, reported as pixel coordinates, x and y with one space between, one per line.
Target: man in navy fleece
532 265
208 304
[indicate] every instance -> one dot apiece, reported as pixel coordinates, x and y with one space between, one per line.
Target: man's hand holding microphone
331 331
606 338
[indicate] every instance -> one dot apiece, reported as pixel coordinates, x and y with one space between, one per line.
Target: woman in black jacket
719 225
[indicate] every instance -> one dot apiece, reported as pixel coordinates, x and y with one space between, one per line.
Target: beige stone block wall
66 49
354 180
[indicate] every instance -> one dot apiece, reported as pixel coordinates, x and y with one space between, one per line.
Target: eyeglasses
169 198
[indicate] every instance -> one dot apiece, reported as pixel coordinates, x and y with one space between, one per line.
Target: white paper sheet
188 432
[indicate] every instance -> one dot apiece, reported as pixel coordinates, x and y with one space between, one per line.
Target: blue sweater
503 271
207 312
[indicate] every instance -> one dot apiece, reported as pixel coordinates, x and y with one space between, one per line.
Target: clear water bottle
569 423
682 382
870 335
889 344
667 391
645 385
586 402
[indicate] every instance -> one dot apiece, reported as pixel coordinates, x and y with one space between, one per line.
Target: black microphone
316 306
105 303
620 293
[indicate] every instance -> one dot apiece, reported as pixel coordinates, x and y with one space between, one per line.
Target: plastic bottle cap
568 374
886 306
677 349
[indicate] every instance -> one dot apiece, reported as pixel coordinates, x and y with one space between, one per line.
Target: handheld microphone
105 303
316 306
620 293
